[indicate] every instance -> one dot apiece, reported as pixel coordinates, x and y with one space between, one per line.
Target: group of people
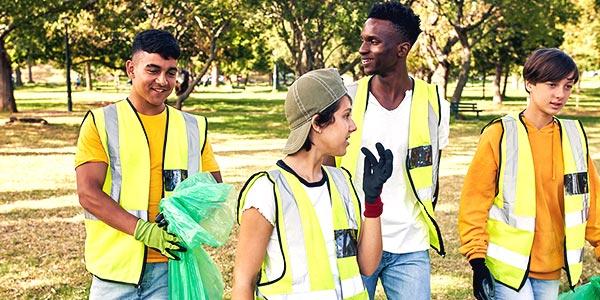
315 226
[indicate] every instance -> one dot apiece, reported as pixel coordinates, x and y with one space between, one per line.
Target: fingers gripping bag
590 290
200 212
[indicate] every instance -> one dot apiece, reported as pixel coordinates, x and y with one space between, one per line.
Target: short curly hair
404 19
156 41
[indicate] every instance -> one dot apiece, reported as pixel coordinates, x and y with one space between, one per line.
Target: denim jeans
403 276
533 289
155 285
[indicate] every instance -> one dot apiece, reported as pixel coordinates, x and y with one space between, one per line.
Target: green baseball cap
310 94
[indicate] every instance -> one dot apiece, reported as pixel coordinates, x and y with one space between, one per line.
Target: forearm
242 289
108 211
369 246
90 178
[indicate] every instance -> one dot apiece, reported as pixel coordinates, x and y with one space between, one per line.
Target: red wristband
373 210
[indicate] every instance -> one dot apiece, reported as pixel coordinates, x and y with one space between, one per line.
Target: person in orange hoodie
529 198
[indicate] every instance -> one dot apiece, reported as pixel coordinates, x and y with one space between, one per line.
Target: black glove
483 282
161 221
376 172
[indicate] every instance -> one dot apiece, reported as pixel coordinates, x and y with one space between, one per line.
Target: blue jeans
533 289
403 276
155 285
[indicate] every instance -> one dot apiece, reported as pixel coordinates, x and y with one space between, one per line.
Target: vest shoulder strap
246 188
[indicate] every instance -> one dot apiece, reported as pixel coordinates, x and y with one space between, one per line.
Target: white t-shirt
260 196
403 228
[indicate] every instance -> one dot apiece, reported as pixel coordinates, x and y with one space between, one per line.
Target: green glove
155 237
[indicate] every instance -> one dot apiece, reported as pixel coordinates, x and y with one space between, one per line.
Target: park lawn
42 223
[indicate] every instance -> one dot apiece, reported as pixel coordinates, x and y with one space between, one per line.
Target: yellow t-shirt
89 149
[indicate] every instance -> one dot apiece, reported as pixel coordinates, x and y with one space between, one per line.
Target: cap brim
296 138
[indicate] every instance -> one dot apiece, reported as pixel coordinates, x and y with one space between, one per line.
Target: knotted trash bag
200 211
590 290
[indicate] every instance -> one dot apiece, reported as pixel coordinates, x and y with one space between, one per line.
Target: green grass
42 253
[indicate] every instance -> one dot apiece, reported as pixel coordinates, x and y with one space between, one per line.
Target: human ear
403 49
129 69
313 122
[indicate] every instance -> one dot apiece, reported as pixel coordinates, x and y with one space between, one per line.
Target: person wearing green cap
301 233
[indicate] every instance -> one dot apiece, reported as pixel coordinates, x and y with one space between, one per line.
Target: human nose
364 48
161 79
352 127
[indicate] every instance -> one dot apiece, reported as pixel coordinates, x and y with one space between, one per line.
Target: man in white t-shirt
409 117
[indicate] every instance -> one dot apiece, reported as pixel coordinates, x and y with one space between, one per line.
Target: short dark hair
549 64
156 41
324 119
403 18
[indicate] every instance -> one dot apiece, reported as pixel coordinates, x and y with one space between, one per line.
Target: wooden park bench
455 108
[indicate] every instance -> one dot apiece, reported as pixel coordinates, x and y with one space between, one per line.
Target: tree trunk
506 73
497 98
214 74
29 73
483 86
7 96
18 77
88 76
463 76
440 77
275 79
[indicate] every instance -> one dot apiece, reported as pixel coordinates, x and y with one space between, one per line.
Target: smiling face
333 138
153 80
381 49
550 97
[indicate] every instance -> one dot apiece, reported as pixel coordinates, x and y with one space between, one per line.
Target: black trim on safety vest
251 179
526 275
139 119
205 136
89 112
353 189
278 240
162 163
435 225
280 163
566 266
239 200
439 101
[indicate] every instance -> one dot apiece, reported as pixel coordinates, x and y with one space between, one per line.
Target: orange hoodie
480 188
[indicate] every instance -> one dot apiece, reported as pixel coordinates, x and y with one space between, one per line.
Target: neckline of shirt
288 169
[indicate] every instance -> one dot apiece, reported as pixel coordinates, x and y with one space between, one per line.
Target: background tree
17 18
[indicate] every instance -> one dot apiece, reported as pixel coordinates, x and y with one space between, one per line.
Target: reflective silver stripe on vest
579 158
142 214
344 190
291 221
511 165
523 223
111 120
193 139
575 256
433 136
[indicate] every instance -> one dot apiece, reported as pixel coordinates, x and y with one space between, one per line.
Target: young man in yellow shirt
130 155
529 199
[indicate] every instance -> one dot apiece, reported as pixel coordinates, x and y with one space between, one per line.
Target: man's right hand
155 237
483 282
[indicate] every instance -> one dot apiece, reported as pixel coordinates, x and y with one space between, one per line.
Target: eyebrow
158 67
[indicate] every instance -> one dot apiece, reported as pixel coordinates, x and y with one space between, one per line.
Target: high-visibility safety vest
422 160
109 253
511 220
294 211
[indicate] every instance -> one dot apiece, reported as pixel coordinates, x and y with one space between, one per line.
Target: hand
376 172
161 221
155 237
483 282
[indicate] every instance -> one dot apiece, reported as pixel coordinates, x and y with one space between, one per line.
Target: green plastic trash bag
588 291
201 212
